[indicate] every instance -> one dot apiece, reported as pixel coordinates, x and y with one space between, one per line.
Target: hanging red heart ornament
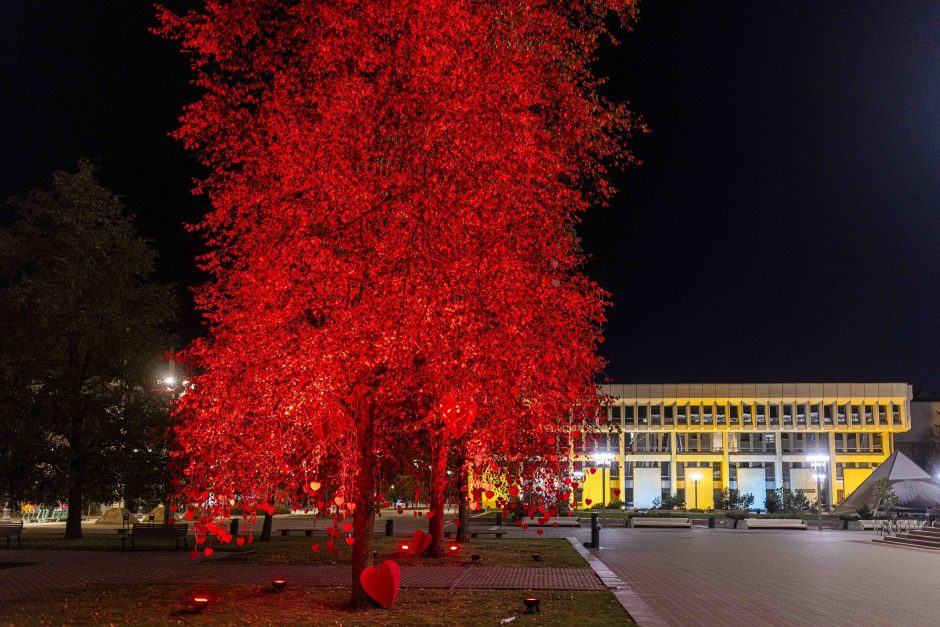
382 583
593 470
616 491
588 501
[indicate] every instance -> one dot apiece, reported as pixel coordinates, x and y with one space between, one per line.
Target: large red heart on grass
382 583
420 541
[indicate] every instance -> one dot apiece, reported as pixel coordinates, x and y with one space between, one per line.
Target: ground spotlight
531 605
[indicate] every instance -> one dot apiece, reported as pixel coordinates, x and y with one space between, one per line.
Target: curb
642 613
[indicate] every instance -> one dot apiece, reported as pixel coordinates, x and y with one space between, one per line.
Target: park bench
639 521
11 530
147 531
775 523
307 531
562 521
495 532
869 525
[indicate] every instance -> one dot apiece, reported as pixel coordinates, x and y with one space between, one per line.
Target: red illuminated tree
394 191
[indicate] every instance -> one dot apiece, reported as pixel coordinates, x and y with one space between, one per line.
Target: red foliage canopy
394 190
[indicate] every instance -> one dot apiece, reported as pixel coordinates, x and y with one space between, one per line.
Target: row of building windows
715 469
605 442
748 414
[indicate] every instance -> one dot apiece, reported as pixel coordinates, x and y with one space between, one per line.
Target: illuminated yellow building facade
690 439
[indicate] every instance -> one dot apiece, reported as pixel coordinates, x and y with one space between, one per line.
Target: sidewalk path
25 572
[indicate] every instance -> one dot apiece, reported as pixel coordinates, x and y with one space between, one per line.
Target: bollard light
537 557
475 558
200 603
531 605
278 585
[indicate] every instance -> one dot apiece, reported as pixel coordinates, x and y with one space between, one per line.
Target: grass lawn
296 550
245 605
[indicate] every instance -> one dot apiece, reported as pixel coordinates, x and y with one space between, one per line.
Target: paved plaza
723 577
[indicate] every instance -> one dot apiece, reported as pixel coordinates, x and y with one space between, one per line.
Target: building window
734 414
843 410
800 414
814 414
746 413
869 415
882 415
707 413
682 411
721 411
856 420
788 414
694 414
628 414
761 413
656 415
895 414
775 414
827 414
669 414
641 415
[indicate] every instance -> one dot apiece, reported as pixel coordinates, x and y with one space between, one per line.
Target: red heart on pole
382 583
420 541
616 491
593 470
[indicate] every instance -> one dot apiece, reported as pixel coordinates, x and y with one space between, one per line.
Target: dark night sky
783 227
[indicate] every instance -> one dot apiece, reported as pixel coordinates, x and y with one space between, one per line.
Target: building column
725 461
831 470
778 461
673 482
622 475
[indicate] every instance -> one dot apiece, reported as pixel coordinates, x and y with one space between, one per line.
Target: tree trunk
437 488
463 511
364 514
73 524
266 528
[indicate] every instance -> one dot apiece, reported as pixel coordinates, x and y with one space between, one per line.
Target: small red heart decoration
194 554
593 471
420 541
314 547
239 541
347 527
587 501
616 491
350 540
208 551
382 583
513 491
490 494
539 531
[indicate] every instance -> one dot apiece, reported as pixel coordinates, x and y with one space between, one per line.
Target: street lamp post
695 477
604 459
818 462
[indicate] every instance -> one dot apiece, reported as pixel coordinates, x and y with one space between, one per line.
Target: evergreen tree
82 331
